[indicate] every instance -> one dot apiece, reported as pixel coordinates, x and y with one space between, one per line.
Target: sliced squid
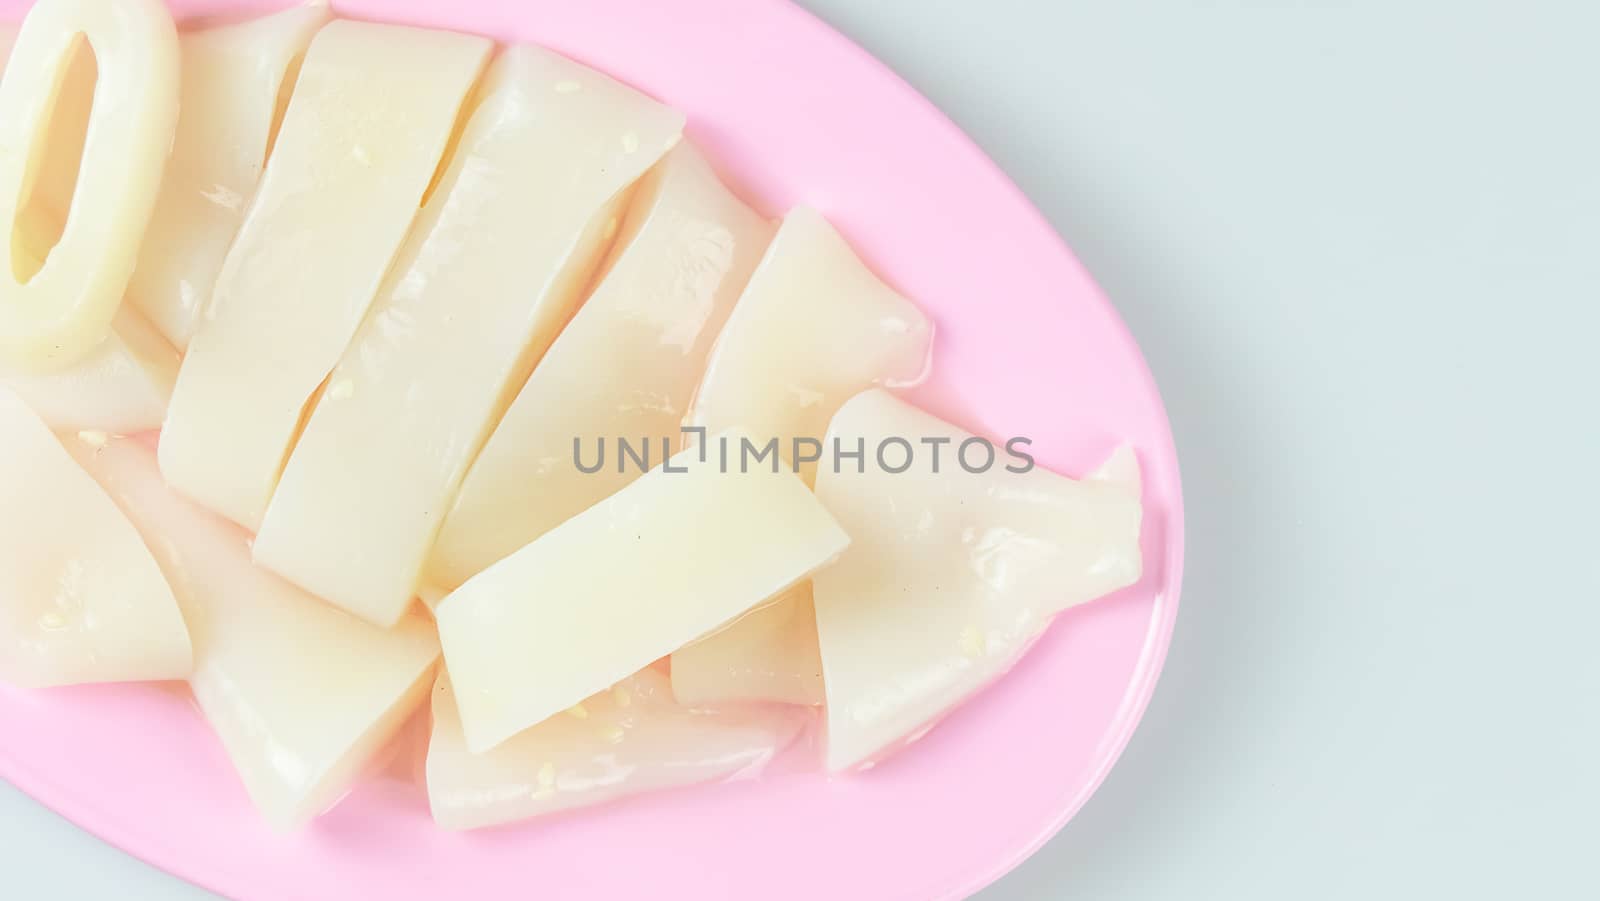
496 264
57 313
121 387
683 257
302 695
371 115
814 328
769 654
81 597
41 218
950 574
680 551
626 740
231 82
124 382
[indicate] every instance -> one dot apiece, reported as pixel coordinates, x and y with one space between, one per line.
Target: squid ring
52 317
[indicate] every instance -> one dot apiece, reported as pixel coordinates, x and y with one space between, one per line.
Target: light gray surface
1358 242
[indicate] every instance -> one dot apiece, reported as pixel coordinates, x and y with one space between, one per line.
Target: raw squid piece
371 115
684 255
679 552
769 654
302 695
124 382
626 740
81 598
121 387
499 258
56 310
950 574
41 219
814 328
231 81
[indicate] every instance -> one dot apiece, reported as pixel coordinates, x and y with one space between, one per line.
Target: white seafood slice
769 654
81 598
123 383
122 386
675 554
371 115
626 740
814 328
41 218
55 315
231 82
301 694
950 573
684 255
496 264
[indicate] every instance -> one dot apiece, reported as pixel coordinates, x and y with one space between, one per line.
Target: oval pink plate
791 112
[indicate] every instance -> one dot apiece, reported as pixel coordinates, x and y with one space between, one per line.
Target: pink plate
792 112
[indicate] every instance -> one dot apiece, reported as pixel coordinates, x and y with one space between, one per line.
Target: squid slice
677 553
769 654
494 268
627 740
231 81
124 382
814 328
81 597
372 112
302 695
43 216
950 573
686 252
122 387
56 315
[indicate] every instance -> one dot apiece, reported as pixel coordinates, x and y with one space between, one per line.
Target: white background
1359 241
